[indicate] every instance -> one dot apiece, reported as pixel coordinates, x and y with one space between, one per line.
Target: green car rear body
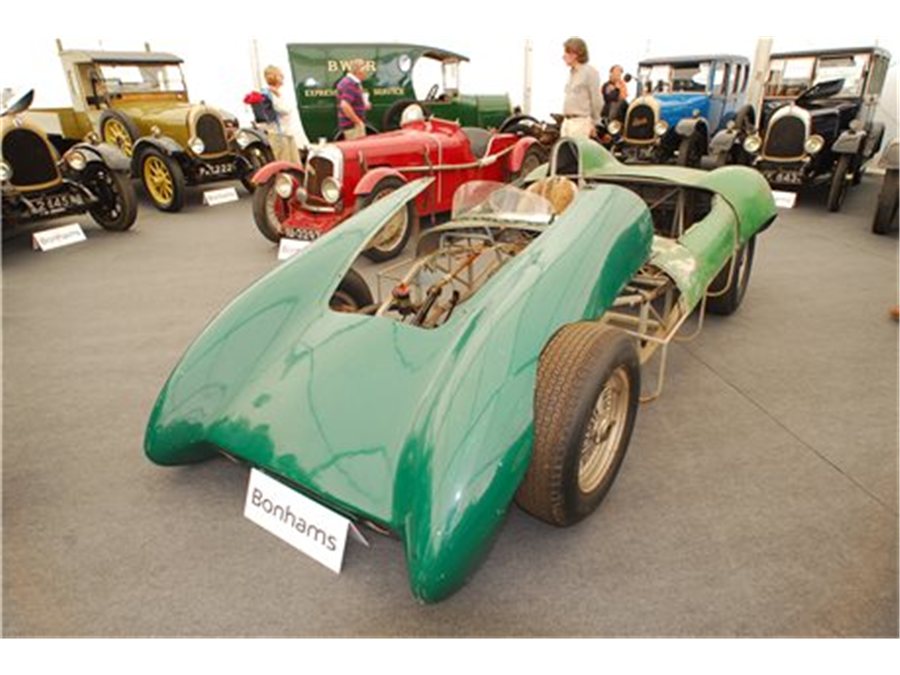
424 432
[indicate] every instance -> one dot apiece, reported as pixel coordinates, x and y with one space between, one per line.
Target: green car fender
742 206
426 432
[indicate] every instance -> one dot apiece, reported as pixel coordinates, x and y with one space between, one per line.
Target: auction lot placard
304 524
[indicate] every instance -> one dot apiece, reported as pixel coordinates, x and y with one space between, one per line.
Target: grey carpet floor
758 498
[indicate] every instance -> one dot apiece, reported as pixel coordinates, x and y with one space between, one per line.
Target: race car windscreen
489 200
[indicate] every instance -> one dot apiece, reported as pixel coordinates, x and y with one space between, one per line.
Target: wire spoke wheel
604 431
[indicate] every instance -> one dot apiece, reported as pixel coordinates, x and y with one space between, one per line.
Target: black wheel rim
109 205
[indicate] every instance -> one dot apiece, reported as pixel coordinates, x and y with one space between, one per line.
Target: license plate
223 169
784 177
60 202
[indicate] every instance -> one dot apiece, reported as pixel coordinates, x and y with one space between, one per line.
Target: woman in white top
288 122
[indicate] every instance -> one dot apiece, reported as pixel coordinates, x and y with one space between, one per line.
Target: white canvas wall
219 71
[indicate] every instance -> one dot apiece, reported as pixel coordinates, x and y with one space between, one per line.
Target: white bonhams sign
784 200
304 524
288 248
57 237
220 196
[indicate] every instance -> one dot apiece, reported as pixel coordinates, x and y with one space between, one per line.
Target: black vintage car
39 183
817 124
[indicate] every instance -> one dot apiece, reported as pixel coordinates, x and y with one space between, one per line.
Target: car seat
558 190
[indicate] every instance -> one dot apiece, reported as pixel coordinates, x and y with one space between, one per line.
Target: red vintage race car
304 201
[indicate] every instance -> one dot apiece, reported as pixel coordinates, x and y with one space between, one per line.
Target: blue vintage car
682 102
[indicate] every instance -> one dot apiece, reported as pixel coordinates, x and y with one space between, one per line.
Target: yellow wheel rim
158 180
115 133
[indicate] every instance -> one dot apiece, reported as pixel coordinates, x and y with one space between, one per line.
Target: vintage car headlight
76 160
5 171
331 191
614 127
814 144
660 128
284 186
243 139
752 143
196 146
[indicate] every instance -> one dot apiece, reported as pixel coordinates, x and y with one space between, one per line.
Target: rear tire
886 219
534 157
729 302
258 155
119 130
585 403
838 190
352 294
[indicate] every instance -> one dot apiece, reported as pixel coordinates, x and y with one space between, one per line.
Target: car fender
272 168
368 182
256 135
874 140
104 153
688 126
474 442
518 152
849 142
167 146
723 141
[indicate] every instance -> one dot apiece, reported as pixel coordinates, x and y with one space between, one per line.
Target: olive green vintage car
139 102
503 362
317 68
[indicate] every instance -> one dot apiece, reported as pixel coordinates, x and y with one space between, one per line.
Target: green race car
503 362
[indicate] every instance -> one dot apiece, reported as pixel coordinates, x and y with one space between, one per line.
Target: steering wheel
432 93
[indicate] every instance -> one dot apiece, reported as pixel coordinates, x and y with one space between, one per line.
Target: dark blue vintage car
682 102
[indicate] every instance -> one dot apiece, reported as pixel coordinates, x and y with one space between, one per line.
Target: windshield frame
173 86
472 203
705 67
865 66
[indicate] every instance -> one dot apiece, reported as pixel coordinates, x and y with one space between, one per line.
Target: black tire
886 217
518 124
407 221
352 294
580 364
107 120
838 189
391 119
728 302
691 150
117 206
534 157
258 155
265 211
175 201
